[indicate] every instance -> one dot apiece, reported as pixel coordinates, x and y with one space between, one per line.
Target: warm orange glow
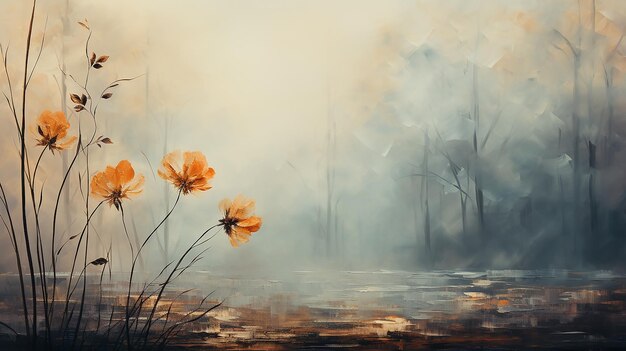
51 131
194 175
238 221
116 183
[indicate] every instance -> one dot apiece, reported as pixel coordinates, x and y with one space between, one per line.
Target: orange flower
238 221
194 174
52 129
115 184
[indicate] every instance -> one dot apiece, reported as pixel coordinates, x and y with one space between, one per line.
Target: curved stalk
23 179
132 269
169 278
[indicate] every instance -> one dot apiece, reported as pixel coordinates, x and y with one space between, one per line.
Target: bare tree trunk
593 208
477 182
562 202
576 221
338 238
611 214
593 239
320 227
330 178
425 196
577 232
608 80
416 199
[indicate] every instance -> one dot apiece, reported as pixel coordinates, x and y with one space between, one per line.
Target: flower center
228 223
184 184
116 194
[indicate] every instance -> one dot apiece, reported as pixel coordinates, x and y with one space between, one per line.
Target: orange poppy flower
116 183
52 129
194 175
238 221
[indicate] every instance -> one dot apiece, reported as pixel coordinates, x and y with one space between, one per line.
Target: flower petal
252 224
239 236
100 185
224 206
125 172
242 207
66 143
194 164
136 186
169 164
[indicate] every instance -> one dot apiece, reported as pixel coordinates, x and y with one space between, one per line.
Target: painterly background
434 168
325 112
322 110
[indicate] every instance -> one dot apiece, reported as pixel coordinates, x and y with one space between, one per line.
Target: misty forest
293 175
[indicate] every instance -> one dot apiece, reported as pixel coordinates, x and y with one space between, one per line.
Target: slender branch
130 244
10 102
40 255
54 254
23 180
18 260
8 327
132 270
440 177
43 39
88 218
71 275
169 278
112 85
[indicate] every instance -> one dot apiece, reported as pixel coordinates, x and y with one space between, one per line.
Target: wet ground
407 310
399 310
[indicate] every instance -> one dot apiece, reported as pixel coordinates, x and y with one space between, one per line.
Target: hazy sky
255 85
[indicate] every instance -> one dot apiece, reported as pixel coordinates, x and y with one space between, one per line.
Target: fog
372 135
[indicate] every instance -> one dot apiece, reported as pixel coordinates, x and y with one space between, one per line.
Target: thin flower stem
37 167
169 278
100 290
132 269
88 63
53 252
69 293
79 148
130 244
18 260
11 101
39 244
43 40
88 217
23 180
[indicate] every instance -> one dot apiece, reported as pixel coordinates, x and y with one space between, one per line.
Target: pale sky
254 84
